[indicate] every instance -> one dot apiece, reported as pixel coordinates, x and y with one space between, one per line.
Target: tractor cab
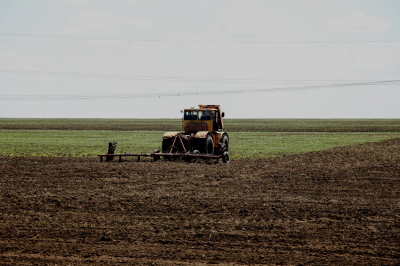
204 118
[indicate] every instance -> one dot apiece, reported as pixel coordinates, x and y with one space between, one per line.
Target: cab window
204 115
190 115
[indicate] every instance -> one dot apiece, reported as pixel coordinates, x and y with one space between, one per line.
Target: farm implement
203 137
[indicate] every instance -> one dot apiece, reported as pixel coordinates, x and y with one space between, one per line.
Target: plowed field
339 206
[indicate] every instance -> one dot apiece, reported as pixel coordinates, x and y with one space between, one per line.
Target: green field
252 138
231 125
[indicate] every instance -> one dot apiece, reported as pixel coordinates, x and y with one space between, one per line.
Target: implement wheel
225 157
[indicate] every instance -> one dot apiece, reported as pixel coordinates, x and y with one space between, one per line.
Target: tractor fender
202 134
168 135
221 134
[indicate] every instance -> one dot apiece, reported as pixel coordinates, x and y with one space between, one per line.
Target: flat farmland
295 197
252 138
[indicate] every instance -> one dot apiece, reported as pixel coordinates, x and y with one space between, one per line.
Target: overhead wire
195 41
176 78
186 79
178 94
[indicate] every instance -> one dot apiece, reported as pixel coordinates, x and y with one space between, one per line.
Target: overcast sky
152 58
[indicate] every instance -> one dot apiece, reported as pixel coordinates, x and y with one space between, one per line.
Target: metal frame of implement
156 156
186 155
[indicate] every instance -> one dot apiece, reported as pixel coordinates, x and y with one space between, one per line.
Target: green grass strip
89 143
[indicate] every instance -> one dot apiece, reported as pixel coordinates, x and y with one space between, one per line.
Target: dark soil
340 206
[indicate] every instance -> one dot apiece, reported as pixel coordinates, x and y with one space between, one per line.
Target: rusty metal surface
177 139
127 154
201 135
163 154
170 134
195 127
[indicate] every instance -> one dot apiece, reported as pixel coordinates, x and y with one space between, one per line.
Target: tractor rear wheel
225 140
166 144
206 146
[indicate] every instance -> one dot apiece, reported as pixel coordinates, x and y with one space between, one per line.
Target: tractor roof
205 107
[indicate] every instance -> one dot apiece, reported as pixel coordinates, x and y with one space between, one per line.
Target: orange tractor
203 134
202 137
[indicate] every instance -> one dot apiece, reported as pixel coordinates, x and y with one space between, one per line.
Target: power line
175 78
178 94
195 41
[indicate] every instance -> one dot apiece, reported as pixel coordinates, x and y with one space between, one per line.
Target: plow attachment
168 156
202 137
185 155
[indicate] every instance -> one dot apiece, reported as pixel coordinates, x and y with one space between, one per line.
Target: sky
153 58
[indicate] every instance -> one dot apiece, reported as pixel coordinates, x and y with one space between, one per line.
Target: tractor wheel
166 144
225 157
225 140
206 145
